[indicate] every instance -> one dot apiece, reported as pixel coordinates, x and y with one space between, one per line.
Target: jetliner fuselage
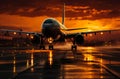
52 28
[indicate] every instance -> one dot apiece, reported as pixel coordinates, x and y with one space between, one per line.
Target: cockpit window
48 21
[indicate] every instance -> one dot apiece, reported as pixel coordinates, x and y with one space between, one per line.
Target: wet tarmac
85 63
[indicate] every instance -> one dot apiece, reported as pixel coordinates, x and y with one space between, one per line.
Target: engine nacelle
79 39
36 39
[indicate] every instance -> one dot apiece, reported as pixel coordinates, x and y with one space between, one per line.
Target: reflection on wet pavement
85 63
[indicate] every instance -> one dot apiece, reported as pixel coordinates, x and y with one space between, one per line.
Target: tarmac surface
61 63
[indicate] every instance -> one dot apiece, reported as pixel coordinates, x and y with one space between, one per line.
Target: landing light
50 40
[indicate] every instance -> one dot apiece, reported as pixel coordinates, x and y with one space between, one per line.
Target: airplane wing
90 32
98 31
18 31
73 29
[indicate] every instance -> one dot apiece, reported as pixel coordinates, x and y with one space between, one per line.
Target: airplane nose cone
49 30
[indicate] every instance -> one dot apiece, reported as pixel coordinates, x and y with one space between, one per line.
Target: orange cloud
34 23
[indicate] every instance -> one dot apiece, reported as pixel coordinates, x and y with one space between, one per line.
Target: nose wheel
50 40
51 47
74 47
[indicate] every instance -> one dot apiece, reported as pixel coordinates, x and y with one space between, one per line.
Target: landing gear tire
42 47
51 47
74 47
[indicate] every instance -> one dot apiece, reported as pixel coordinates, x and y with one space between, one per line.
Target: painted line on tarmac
14 77
111 71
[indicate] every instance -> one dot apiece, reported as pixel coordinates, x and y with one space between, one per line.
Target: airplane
52 31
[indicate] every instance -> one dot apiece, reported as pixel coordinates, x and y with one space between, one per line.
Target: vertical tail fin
63 14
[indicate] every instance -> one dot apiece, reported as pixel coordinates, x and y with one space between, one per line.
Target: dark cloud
95 9
9 27
13 27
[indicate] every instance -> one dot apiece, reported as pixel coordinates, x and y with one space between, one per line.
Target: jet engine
79 39
36 39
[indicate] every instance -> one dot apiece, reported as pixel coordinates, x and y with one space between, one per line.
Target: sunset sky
29 14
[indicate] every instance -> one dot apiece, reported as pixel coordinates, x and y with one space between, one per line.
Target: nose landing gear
50 40
74 47
51 47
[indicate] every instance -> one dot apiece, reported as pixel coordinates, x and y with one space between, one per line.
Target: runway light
101 33
14 65
90 34
31 37
27 34
14 33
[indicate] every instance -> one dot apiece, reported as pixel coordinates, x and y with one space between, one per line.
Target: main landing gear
42 47
74 46
51 47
